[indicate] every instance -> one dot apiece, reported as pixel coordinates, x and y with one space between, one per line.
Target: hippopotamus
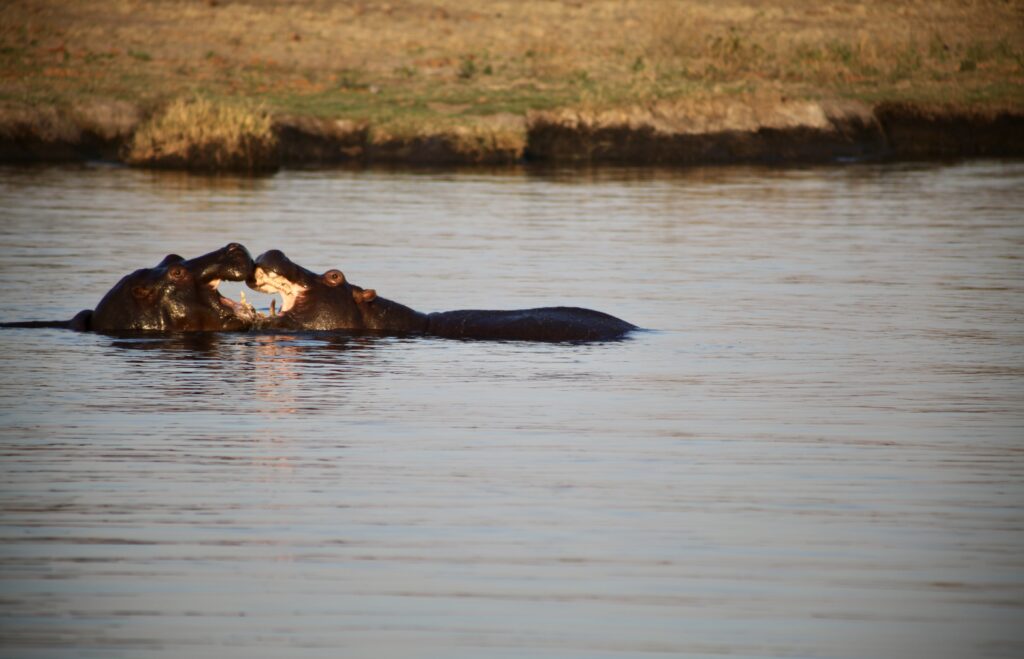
329 301
177 295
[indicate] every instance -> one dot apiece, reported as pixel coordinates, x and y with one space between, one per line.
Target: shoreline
779 133
215 86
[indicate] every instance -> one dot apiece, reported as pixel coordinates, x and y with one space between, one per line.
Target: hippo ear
169 259
333 278
365 295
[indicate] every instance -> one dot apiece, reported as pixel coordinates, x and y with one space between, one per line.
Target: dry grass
432 65
870 47
201 134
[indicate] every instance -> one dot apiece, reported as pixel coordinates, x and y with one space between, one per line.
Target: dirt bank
784 132
676 134
49 134
256 84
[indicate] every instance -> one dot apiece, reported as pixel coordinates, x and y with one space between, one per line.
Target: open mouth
266 281
263 281
241 308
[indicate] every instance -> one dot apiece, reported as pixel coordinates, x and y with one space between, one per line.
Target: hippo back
541 324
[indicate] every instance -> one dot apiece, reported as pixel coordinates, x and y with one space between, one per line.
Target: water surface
815 450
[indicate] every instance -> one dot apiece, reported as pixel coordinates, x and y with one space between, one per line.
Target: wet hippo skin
329 302
176 295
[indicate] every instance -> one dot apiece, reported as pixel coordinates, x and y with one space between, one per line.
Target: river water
816 449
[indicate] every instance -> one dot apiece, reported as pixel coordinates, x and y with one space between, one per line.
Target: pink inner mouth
271 282
265 283
238 308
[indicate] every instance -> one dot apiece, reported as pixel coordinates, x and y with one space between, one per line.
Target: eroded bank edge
668 135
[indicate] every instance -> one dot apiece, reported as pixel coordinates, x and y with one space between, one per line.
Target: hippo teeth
267 281
240 308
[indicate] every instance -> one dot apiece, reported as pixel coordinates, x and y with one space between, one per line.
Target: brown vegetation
455 80
201 135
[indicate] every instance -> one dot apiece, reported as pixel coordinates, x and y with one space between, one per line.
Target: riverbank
716 133
256 86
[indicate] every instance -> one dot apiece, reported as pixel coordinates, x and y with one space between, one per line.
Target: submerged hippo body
329 302
177 295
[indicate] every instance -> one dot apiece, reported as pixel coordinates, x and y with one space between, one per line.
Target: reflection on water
816 451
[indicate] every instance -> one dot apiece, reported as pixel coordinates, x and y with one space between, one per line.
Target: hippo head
178 295
308 300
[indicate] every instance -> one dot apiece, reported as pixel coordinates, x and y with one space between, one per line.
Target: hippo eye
140 292
334 278
176 272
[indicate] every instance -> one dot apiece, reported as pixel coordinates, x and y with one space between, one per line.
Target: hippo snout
272 260
239 263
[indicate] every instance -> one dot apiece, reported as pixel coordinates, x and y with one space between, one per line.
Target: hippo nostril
234 247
